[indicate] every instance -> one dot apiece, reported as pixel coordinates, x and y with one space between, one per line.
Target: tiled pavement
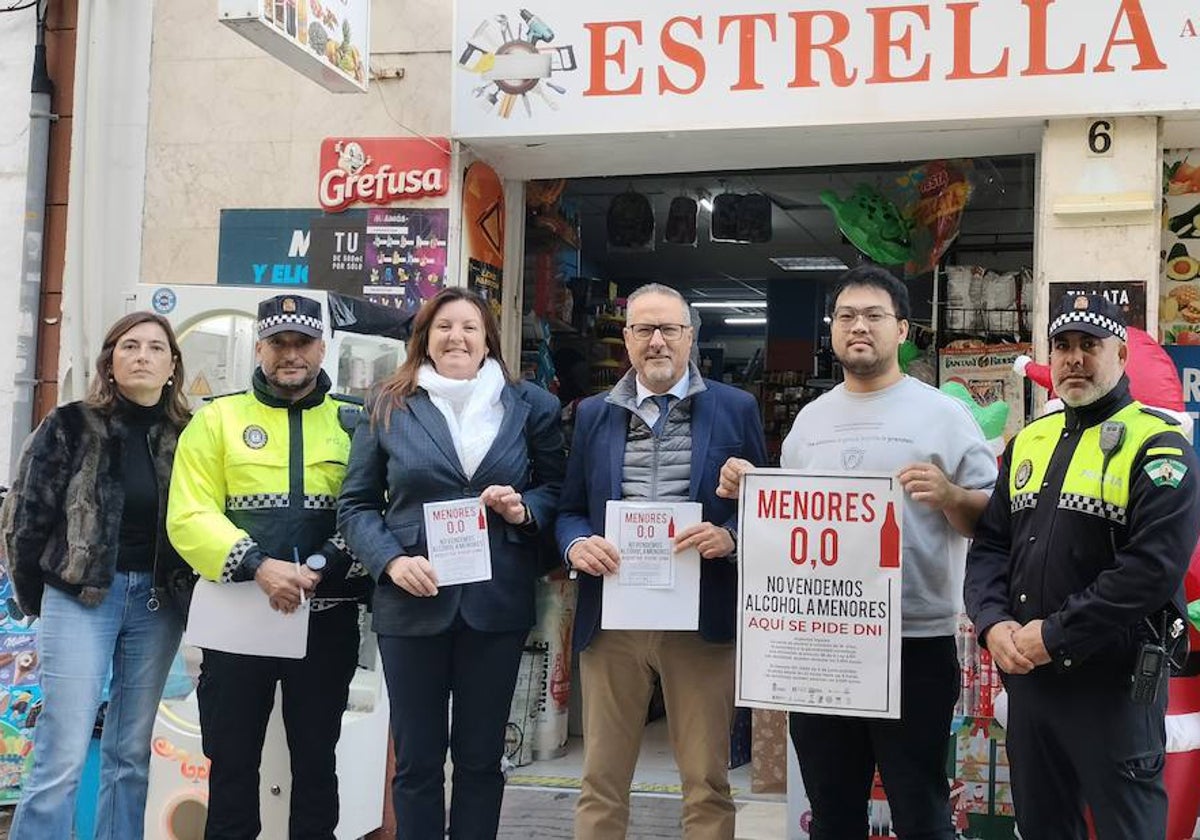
535 813
530 813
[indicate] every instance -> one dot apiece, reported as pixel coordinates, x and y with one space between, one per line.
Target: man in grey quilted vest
661 434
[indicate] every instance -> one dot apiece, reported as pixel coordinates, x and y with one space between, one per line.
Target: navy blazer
393 472
725 424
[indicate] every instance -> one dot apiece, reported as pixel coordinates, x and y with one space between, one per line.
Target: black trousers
480 670
838 755
1078 738
236 694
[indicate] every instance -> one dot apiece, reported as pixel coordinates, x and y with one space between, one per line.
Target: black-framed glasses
670 332
847 316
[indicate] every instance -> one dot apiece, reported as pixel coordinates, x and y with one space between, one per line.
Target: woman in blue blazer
451 424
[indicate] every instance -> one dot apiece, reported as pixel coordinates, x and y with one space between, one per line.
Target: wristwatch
316 562
733 536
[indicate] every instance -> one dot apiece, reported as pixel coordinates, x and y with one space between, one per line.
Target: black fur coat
61 521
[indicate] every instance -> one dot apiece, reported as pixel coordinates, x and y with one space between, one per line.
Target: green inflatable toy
906 354
872 224
991 418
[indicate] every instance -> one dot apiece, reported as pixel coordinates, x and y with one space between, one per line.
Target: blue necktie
663 401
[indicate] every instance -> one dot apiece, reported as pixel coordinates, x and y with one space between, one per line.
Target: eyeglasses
846 316
670 332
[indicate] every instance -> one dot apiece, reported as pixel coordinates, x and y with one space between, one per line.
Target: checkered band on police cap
1091 314
290 313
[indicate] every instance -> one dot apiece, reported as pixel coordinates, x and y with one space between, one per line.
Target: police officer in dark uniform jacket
1075 585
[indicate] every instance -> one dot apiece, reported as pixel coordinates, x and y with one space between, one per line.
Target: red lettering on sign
747 26
1140 37
962 46
601 58
806 46
819 56
381 170
885 42
682 54
1039 11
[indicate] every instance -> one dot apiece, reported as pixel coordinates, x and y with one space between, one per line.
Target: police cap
1091 314
289 313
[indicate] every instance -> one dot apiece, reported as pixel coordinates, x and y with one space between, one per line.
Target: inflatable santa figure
1153 381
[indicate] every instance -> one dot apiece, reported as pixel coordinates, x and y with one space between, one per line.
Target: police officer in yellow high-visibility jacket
254 488
1074 583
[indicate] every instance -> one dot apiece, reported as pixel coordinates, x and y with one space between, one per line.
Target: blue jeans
77 645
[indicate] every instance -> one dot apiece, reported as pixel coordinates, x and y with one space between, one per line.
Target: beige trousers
617 673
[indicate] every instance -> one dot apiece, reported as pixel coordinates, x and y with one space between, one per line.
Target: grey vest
657 469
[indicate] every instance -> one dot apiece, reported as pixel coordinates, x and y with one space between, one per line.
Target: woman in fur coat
87 552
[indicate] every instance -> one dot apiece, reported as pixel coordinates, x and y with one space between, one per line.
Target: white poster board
819 593
656 588
239 618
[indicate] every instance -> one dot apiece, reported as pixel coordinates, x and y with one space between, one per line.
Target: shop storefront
1019 145
1033 131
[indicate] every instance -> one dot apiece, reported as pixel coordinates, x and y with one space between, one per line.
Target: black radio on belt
1166 642
1148 673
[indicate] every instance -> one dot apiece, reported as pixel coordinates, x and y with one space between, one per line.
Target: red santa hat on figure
1154 382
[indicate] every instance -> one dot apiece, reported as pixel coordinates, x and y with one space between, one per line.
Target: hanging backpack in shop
630 222
681 221
741 218
725 216
754 218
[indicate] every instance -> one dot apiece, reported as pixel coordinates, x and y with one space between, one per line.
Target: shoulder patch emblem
1024 470
1166 472
254 437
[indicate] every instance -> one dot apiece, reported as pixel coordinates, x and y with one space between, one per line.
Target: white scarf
468 404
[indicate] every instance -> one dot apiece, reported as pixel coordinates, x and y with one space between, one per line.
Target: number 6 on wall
1100 137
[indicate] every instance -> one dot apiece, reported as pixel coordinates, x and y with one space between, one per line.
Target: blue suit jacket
392 473
725 424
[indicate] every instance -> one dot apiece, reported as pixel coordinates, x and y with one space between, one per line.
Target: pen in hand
296 557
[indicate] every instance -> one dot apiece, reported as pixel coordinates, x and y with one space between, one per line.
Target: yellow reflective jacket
258 477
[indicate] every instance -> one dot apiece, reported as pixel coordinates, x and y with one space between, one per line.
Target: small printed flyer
456 537
646 542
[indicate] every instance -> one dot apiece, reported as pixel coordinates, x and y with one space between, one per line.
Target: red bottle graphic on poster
889 540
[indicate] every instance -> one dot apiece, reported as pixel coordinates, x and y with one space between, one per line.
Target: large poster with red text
819 593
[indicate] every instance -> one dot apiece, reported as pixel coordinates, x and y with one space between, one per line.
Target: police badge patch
1166 472
255 437
1024 470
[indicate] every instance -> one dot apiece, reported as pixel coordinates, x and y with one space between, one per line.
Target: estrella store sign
381 170
627 65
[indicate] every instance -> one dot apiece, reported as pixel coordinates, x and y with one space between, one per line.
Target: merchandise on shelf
980 301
